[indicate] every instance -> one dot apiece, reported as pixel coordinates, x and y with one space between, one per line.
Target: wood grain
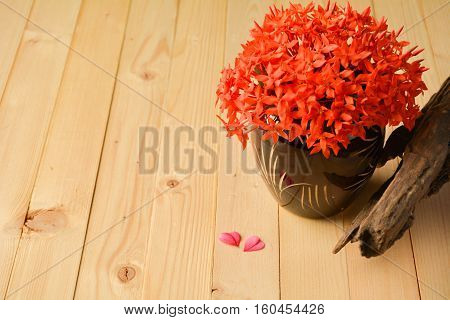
87 159
431 218
391 276
124 186
56 222
25 113
433 14
432 226
12 24
308 270
243 201
180 255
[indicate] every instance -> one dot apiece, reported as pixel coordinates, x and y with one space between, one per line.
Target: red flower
322 74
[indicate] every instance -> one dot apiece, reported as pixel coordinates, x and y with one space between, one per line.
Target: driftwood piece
423 170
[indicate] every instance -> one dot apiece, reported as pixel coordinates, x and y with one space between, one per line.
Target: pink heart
254 243
231 238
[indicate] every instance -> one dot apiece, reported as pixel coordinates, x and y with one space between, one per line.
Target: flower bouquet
313 90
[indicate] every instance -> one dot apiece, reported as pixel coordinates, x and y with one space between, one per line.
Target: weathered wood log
424 168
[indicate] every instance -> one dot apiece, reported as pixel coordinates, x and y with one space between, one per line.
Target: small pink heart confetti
231 238
253 243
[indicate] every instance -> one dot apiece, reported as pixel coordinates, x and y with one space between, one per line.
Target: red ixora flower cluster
322 75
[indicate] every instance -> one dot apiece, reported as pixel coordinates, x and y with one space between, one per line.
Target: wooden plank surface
87 159
123 185
430 238
180 254
25 113
12 24
57 217
308 269
243 202
390 276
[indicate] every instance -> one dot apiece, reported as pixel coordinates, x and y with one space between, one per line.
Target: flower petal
346 116
254 243
346 73
318 63
329 48
314 66
231 238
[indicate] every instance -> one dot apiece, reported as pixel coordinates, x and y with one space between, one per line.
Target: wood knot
126 273
147 75
45 221
172 183
33 41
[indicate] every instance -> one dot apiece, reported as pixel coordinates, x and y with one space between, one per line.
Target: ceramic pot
312 185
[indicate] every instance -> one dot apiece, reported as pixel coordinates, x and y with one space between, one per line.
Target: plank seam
346 263
1 100
212 289
161 138
29 21
102 148
424 21
415 264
